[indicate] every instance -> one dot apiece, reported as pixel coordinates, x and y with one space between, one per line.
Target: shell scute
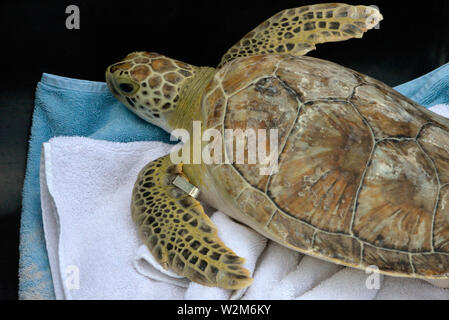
430 265
216 103
388 114
315 79
391 261
397 199
435 142
321 166
242 72
291 231
265 105
256 205
338 247
229 179
441 231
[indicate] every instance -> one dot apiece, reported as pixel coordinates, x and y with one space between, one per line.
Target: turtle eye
126 87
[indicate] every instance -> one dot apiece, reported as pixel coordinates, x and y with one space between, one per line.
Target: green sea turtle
363 172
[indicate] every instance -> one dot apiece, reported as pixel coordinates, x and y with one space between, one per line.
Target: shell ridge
373 136
437 201
362 250
365 171
281 150
410 258
312 244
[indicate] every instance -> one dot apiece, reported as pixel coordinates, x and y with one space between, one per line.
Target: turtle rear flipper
297 31
178 232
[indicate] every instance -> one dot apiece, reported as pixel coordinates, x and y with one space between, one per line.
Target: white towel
95 253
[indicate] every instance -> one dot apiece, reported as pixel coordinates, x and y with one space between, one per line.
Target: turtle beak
110 81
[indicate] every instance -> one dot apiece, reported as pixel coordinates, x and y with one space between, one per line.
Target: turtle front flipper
178 232
297 31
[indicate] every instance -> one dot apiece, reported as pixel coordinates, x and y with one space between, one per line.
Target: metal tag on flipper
185 186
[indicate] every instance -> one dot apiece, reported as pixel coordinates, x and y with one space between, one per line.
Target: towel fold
95 253
146 265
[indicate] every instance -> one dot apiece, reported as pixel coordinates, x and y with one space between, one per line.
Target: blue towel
70 107
430 89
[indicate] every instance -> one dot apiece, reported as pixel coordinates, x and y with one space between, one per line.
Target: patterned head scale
149 84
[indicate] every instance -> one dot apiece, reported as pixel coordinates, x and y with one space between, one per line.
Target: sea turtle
363 172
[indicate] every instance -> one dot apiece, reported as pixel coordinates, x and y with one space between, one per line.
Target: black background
412 40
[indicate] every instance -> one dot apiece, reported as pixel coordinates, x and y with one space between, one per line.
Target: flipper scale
178 232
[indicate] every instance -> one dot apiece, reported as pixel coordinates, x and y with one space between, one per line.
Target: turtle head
149 84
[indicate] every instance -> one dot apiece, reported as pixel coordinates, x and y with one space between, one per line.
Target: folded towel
86 189
70 107
429 90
